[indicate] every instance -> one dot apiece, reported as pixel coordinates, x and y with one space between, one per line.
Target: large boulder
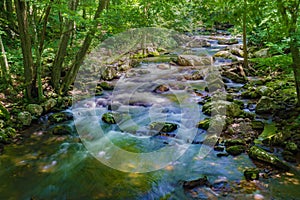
265 105
35 109
236 51
25 118
259 154
227 41
193 60
226 55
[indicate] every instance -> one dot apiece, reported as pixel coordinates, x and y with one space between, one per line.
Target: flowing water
69 167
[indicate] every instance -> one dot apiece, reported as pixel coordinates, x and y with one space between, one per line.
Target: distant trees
55 35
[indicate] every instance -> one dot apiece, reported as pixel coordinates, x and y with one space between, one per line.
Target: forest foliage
47 40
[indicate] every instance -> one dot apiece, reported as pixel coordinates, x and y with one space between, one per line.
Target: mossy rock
25 118
62 129
4 114
292 147
236 150
259 154
106 85
111 117
251 174
49 104
35 109
60 117
255 124
163 126
266 105
221 107
204 124
234 142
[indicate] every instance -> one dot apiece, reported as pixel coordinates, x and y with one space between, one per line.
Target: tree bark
71 75
62 49
290 15
4 63
29 71
245 35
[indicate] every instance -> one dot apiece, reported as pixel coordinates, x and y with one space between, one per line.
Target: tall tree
26 45
289 11
71 74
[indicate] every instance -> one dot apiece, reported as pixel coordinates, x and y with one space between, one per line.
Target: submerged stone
111 118
196 183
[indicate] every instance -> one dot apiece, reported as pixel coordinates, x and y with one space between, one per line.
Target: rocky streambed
218 121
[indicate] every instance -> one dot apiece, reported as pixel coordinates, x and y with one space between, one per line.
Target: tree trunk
4 64
245 35
29 71
62 49
71 75
296 67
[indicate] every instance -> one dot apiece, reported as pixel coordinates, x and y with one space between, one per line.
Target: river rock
25 118
196 75
187 185
226 55
60 117
166 127
236 150
236 51
109 73
161 89
233 142
110 118
163 66
221 107
227 41
106 85
264 90
35 109
259 154
262 53
49 104
198 42
265 105
234 77
251 174
193 60
204 124
62 129
292 147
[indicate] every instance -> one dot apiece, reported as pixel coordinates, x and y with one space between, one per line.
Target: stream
94 163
